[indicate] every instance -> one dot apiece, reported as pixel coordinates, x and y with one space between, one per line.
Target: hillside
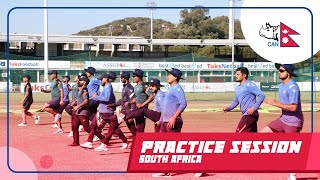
133 26
194 24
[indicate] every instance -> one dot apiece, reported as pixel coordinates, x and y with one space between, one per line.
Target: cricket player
66 88
291 119
126 95
250 98
81 114
153 115
57 95
106 97
27 102
74 94
143 96
174 104
93 87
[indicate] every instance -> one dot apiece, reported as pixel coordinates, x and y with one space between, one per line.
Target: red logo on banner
286 40
224 152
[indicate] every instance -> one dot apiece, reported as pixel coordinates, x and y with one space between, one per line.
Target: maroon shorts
63 106
54 104
177 127
248 123
278 126
26 105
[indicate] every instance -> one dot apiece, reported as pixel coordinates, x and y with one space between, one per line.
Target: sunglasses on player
281 70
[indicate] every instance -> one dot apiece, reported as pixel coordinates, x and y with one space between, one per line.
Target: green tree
207 51
194 16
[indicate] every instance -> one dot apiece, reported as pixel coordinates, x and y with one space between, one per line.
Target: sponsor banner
316 86
195 87
272 86
31 64
202 87
3 63
3 86
117 87
306 86
124 65
224 152
303 86
36 87
209 87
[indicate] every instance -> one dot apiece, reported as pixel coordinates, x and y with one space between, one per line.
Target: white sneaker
22 124
87 145
197 175
125 146
57 117
114 137
102 147
36 119
95 138
292 176
98 115
81 128
59 131
70 134
98 122
54 126
161 175
120 117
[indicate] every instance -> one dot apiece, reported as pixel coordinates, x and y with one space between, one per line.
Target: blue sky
63 21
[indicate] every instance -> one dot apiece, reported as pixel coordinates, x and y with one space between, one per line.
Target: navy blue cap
288 67
110 75
139 73
125 74
90 70
175 72
155 82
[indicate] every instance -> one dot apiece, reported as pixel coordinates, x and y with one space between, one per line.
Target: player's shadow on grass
308 178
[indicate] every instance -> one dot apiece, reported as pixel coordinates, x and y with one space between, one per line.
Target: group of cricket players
92 105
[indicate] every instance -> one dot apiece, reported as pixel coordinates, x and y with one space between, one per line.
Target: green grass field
197 102
228 96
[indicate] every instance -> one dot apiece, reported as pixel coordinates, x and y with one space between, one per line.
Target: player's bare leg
266 130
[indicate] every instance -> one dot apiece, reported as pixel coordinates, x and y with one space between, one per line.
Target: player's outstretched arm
258 93
46 90
286 107
234 104
149 100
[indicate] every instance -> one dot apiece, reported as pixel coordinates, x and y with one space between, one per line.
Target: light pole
231 34
46 49
111 28
151 5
